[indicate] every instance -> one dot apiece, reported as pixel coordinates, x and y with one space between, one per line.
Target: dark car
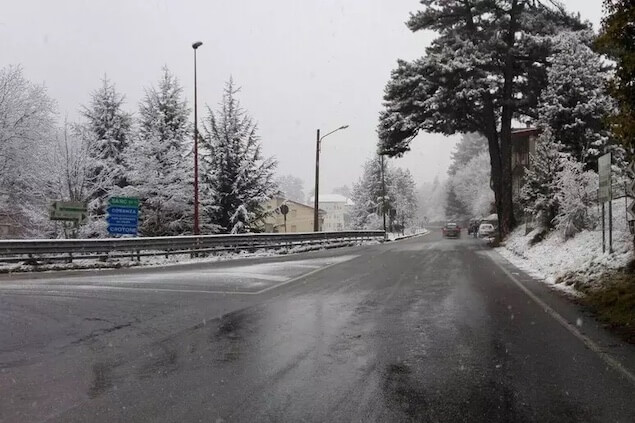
452 230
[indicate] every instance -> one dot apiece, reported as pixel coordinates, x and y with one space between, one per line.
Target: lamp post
316 195
197 229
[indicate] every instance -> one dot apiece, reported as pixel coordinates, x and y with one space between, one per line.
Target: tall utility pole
383 191
197 229
316 195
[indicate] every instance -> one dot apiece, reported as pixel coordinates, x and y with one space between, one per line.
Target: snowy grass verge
176 259
577 263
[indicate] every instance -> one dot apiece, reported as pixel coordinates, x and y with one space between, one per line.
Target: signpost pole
603 230
604 195
610 227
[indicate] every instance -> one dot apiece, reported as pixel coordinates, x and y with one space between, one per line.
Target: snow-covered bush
576 190
538 194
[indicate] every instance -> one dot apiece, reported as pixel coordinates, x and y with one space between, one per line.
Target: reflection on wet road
421 330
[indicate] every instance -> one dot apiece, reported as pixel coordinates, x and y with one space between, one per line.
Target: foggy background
302 65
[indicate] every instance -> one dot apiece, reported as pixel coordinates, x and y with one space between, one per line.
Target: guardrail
35 250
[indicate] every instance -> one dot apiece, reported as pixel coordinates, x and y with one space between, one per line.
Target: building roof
524 131
282 200
333 198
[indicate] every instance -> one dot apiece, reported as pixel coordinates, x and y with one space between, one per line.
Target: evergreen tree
108 130
617 41
235 173
454 207
485 69
367 196
402 187
158 159
471 145
539 194
575 104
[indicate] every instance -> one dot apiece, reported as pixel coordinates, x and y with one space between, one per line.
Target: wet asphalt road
426 329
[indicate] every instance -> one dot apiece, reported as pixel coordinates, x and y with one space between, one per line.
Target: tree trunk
495 162
506 219
491 133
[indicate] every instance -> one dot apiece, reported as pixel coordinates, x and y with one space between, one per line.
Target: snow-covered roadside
579 260
176 259
391 236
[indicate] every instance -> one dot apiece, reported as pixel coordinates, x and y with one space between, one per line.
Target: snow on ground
579 259
392 236
161 260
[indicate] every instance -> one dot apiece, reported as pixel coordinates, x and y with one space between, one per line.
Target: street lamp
316 223
197 229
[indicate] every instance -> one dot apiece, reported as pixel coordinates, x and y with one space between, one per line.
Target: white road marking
616 365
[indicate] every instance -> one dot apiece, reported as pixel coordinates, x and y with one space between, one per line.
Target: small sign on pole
605 195
604 170
74 211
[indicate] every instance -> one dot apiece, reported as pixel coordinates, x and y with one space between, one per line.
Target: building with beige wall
299 218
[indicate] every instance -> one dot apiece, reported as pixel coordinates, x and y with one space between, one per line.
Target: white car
486 230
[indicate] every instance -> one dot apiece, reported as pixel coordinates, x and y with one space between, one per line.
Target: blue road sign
123 211
122 230
123 216
119 220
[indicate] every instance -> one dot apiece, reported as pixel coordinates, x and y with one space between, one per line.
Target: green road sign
124 202
68 210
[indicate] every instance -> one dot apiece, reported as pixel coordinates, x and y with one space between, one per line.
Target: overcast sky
302 65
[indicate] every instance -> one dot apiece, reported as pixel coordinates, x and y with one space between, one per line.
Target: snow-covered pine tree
469 146
539 193
159 170
367 195
403 189
454 208
575 104
234 171
108 131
